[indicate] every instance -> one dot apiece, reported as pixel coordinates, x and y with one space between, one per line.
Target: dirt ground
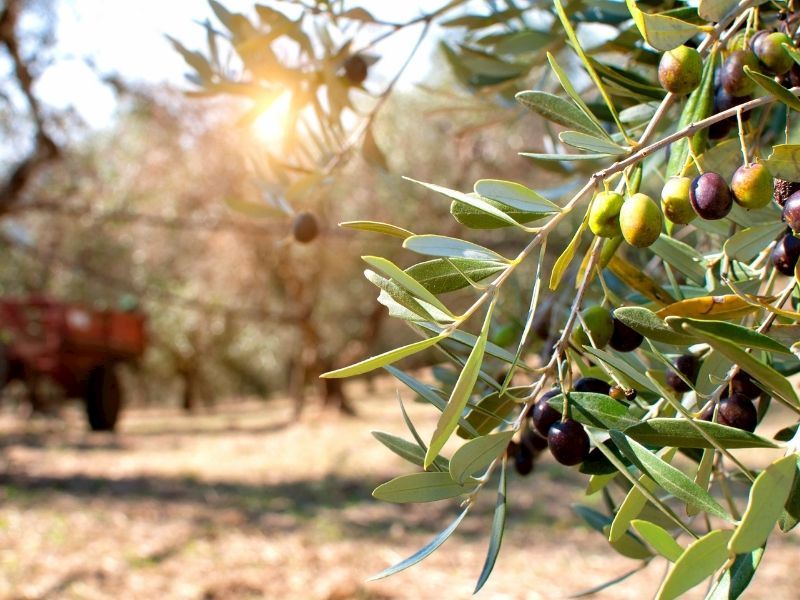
240 503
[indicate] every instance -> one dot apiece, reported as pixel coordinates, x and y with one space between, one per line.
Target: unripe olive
710 196
598 321
738 411
733 78
640 220
752 186
770 51
355 69
604 214
675 200
688 366
791 211
568 442
623 338
785 254
680 70
305 227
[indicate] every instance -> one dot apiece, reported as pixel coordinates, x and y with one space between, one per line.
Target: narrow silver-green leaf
515 195
498 527
746 244
474 456
590 143
784 162
428 486
743 336
772 87
734 581
681 433
470 200
668 477
378 227
768 494
423 552
440 245
407 281
556 109
623 367
651 326
384 359
448 421
596 410
681 256
766 376
406 450
442 275
698 561
658 538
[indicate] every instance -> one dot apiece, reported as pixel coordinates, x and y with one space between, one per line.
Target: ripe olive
770 51
680 70
623 338
568 442
785 254
752 186
741 383
675 200
784 189
738 411
600 325
724 101
640 220
732 75
604 214
534 441
710 196
791 211
544 415
305 227
523 460
355 69
592 384
688 366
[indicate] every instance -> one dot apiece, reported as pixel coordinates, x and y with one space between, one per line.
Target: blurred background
173 281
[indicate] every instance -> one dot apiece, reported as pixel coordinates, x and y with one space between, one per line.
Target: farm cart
77 347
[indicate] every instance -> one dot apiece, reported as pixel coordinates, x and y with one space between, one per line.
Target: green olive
604 214
675 200
640 220
680 70
600 325
752 186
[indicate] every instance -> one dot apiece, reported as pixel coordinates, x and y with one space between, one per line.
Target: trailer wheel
103 398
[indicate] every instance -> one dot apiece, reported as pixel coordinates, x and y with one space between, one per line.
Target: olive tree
668 318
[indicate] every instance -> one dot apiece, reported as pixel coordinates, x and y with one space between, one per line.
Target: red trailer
77 347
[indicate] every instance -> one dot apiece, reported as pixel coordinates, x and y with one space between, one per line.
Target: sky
128 38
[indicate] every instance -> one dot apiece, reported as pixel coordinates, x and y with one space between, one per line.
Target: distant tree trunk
333 395
189 402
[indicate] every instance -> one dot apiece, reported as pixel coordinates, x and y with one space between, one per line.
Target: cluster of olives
709 197
638 218
680 69
735 408
605 330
